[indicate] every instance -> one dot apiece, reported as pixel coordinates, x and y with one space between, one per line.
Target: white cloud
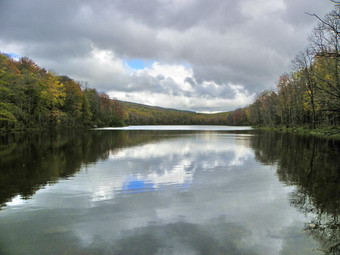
100 66
178 73
175 86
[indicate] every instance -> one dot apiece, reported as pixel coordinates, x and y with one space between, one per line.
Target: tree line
32 97
308 95
139 114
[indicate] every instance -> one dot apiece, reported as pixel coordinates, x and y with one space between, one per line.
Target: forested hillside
139 114
308 95
32 97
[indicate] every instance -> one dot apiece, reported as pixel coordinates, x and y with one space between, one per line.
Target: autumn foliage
32 97
309 95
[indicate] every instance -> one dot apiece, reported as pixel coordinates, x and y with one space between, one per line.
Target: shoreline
325 132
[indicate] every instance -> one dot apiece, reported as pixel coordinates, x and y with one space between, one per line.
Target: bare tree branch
323 22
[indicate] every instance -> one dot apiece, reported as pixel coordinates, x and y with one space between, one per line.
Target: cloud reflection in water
190 194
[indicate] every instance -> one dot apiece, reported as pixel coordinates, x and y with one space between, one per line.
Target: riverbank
325 132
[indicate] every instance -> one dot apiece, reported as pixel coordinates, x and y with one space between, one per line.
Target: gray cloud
245 43
182 15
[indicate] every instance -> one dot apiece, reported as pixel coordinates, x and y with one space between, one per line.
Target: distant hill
132 105
140 114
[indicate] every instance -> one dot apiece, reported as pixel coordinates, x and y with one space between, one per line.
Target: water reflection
30 161
312 166
169 192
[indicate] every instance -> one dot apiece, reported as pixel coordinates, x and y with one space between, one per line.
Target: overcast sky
187 54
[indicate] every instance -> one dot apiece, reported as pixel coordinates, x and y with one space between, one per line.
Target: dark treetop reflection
312 165
169 192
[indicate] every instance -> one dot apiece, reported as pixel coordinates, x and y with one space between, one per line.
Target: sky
198 55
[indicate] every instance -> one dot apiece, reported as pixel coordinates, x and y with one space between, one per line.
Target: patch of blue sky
139 64
138 186
186 65
13 55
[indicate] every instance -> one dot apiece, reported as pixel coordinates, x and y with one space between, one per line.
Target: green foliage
6 114
139 114
31 97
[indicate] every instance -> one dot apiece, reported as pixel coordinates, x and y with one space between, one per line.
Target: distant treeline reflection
30 161
311 165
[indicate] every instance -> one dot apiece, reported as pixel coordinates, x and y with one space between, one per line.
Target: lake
169 190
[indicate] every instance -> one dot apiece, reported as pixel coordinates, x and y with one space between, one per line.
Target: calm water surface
202 190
